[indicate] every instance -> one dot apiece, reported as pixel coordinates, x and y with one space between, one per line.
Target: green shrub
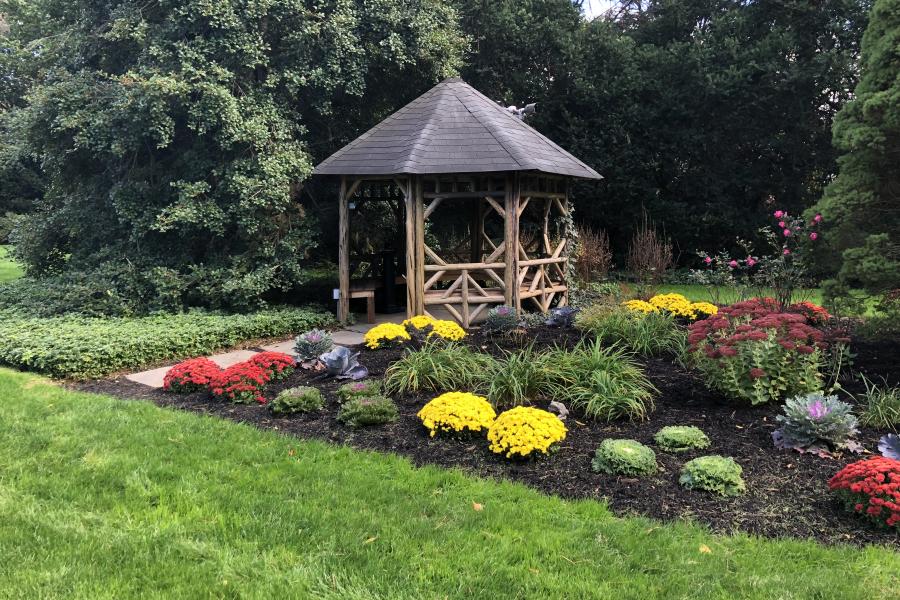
716 474
624 457
647 334
84 347
517 380
606 383
437 367
681 438
359 389
882 406
297 400
371 410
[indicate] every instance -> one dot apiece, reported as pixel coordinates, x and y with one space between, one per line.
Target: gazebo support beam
511 241
343 252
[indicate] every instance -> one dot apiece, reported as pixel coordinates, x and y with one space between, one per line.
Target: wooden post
420 245
476 229
411 276
343 252
511 242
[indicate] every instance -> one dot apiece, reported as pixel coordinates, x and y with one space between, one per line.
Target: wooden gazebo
455 150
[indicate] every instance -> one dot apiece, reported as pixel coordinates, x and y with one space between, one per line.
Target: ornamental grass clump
881 406
818 424
297 400
368 410
240 383
751 351
681 438
277 364
359 389
646 333
716 474
437 367
871 488
311 345
457 412
518 379
386 334
624 457
190 376
524 431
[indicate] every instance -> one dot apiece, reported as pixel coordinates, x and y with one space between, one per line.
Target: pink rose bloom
779 214
733 264
786 252
813 236
787 233
751 261
707 260
817 218
782 224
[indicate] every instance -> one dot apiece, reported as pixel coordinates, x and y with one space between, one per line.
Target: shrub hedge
81 347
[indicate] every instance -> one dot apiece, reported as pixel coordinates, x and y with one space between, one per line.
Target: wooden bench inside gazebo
485 199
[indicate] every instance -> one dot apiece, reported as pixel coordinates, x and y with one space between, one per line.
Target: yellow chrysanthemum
418 321
386 332
704 309
675 304
457 412
640 306
447 330
523 430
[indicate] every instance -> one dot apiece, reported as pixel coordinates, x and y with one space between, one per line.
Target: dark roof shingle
452 128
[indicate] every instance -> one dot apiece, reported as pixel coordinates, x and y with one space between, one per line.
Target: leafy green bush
606 383
649 334
624 457
371 410
84 347
437 367
359 389
680 438
882 406
297 400
716 474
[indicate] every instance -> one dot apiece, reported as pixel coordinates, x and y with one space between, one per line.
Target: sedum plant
624 457
297 400
818 424
368 410
311 345
681 438
716 474
457 412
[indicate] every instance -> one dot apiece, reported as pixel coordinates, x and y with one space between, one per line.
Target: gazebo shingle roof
452 128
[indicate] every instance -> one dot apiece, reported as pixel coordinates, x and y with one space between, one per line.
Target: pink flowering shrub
751 350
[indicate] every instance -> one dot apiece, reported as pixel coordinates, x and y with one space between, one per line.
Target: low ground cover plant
624 457
716 474
437 367
297 400
816 423
648 334
192 375
368 410
457 412
359 389
240 383
524 431
681 438
751 351
277 364
84 347
871 488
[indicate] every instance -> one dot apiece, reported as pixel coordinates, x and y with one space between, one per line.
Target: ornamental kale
562 316
889 446
312 344
818 424
343 364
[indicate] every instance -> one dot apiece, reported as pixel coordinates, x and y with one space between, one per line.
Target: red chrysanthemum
191 375
871 487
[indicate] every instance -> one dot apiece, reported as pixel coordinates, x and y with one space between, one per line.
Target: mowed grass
9 269
700 293
105 498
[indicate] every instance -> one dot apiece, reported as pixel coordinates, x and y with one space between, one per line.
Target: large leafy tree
862 205
175 135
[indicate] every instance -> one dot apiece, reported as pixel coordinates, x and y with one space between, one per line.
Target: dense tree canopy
174 135
862 204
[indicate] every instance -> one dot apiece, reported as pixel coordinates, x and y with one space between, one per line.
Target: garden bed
786 496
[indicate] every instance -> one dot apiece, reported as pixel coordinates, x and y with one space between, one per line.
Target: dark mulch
787 494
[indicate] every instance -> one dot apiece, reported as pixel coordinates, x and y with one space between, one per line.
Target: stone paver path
350 336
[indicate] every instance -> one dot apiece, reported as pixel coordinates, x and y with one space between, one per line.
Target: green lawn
9 269
103 498
699 293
